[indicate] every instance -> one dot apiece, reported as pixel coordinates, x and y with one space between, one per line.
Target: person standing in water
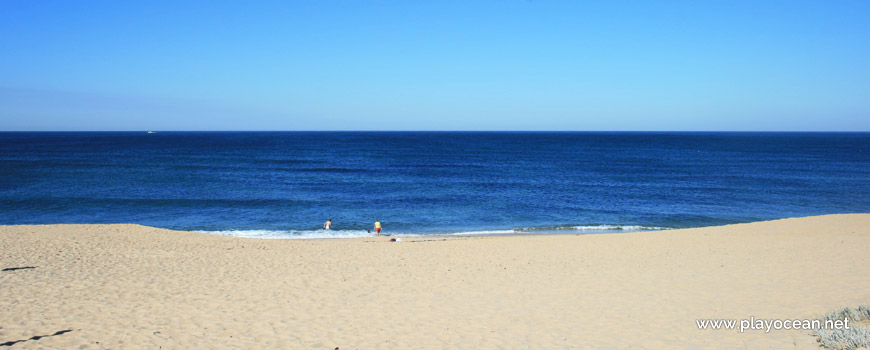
327 224
378 227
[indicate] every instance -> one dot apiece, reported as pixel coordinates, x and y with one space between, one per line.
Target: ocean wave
482 232
321 234
593 228
292 234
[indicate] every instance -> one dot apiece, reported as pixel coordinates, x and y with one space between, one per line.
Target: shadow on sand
19 268
35 337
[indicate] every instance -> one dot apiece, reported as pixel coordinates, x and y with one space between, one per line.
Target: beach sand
131 286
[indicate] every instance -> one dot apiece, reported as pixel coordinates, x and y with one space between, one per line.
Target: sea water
286 184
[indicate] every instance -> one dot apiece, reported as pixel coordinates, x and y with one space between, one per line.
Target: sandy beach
130 286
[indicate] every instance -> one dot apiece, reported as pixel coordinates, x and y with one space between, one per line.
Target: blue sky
435 65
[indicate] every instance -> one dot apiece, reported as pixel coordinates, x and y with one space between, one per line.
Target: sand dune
131 286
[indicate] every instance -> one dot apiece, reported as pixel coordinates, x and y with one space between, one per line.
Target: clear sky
435 65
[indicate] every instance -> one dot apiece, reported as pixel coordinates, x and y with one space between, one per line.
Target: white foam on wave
484 232
598 228
292 234
617 228
321 234
563 229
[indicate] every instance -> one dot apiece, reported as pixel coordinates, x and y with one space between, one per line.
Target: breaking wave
322 234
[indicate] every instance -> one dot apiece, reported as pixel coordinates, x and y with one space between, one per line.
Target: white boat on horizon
151 132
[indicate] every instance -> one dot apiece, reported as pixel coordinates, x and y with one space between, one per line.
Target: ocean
286 184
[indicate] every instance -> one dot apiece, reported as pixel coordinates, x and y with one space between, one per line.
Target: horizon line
469 131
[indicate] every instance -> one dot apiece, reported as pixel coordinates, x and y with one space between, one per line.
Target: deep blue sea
286 184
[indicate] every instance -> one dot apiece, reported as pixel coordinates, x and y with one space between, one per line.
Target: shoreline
435 233
133 286
526 231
